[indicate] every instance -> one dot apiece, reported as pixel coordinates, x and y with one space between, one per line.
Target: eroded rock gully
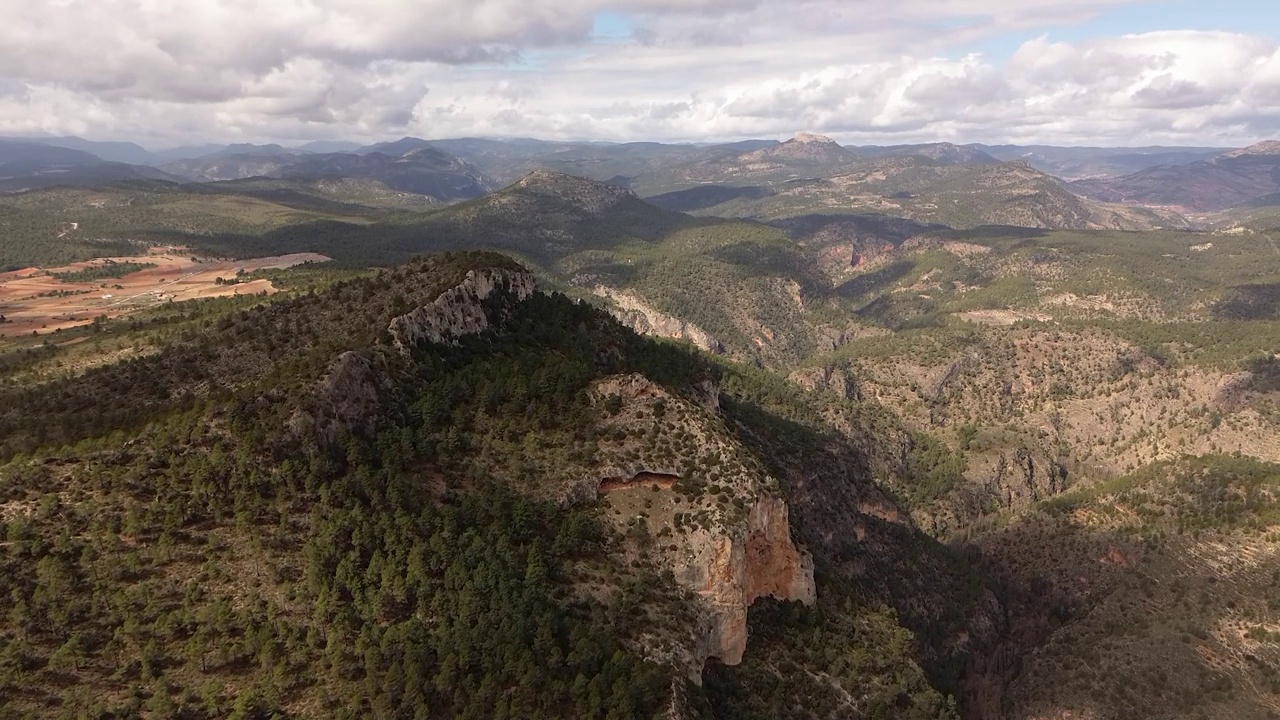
639 481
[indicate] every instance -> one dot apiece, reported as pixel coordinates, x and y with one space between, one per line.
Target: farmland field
42 300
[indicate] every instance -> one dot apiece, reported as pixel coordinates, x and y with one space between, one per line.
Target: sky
1063 72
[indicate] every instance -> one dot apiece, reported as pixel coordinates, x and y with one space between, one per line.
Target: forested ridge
1031 467
208 551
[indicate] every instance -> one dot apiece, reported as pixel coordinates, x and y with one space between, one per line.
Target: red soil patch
641 480
176 277
15 274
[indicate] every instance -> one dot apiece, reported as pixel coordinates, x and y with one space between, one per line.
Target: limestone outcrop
460 310
1232 390
729 528
347 397
732 570
349 392
638 315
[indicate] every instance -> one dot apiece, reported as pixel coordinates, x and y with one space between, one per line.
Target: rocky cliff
460 310
725 530
667 462
731 570
638 315
347 396
837 380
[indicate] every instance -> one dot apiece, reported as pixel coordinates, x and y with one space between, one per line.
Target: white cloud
863 70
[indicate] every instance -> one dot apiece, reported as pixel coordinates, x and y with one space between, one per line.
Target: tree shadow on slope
707 196
1250 302
839 658
876 280
895 230
867 549
902 311
772 260
1149 597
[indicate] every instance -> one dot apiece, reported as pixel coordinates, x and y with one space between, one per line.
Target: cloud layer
862 70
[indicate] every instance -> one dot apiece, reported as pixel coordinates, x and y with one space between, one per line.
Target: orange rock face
731 571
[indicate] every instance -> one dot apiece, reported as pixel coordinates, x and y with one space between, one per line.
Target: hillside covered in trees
297 515
987 473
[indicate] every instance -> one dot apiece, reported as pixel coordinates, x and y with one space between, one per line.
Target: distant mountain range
25 165
1079 163
407 166
960 185
410 166
942 152
1230 179
914 186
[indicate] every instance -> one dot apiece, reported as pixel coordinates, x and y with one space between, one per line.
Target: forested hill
428 493
322 502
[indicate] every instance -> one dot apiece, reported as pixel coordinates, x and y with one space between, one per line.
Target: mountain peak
426 151
1266 147
805 137
954 154
806 149
591 195
395 148
541 178
544 178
